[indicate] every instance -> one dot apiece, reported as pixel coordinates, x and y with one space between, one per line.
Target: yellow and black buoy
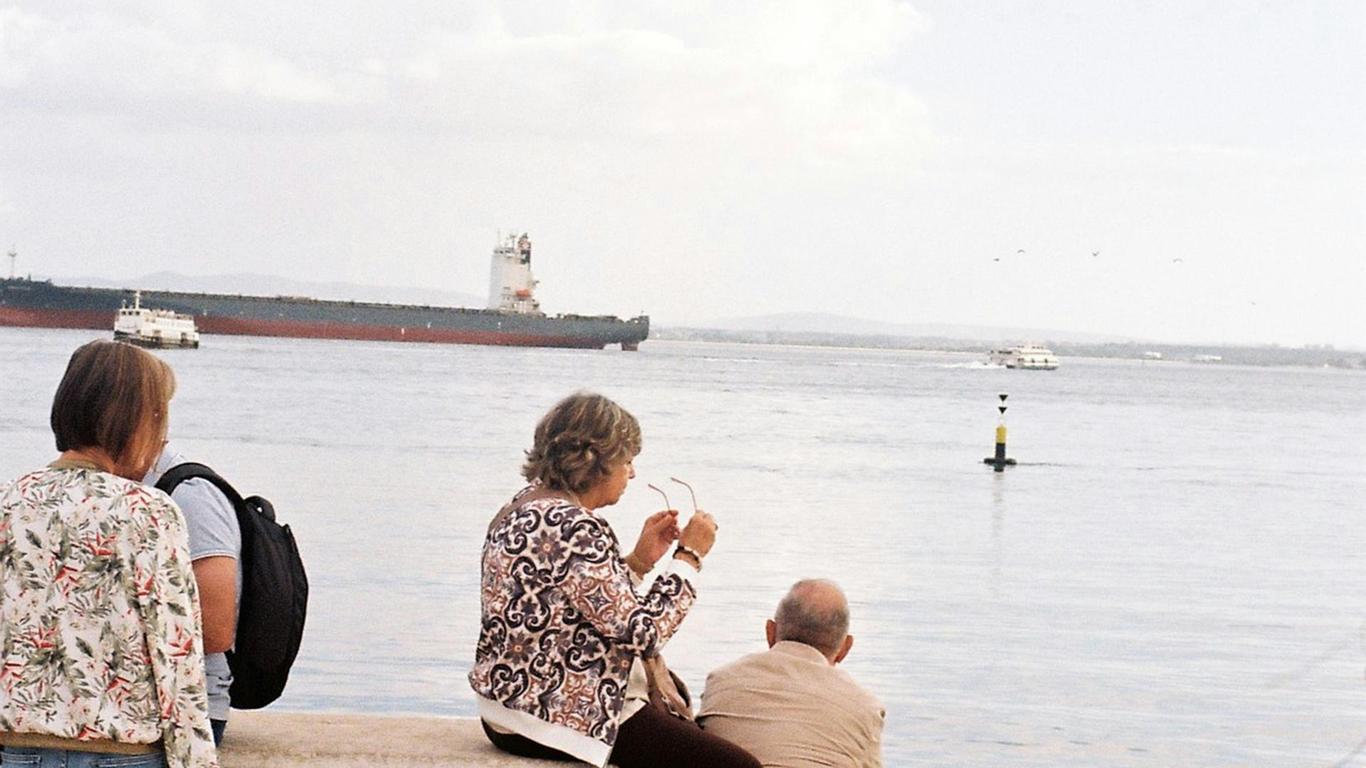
999 462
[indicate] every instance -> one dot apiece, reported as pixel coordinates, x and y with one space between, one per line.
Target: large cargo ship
513 318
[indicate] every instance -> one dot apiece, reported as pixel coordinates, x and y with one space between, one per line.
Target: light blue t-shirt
212 523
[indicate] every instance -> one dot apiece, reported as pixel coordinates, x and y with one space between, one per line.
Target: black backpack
274 599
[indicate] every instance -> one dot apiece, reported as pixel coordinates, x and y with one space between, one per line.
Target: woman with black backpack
103 661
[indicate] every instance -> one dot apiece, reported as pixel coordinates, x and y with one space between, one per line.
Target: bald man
790 706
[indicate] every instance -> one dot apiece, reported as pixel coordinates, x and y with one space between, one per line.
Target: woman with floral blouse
101 661
560 668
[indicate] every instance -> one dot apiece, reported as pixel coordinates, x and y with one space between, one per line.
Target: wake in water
975 365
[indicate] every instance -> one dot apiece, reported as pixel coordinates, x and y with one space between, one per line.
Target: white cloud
101 61
21 36
785 80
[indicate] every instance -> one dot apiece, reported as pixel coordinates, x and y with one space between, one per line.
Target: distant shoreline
1314 356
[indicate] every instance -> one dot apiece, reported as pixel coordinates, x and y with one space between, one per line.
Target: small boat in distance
1029 357
157 328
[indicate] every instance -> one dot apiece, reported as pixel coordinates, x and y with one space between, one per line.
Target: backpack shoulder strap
191 470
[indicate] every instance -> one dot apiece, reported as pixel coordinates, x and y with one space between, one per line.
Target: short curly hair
580 441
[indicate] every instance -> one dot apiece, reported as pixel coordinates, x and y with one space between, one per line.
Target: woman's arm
597 582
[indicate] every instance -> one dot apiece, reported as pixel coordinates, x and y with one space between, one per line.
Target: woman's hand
700 533
659 532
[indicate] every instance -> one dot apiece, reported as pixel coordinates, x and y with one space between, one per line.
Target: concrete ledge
291 740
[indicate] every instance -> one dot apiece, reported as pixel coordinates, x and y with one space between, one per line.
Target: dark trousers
648 739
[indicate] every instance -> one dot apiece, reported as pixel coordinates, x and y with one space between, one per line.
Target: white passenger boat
1030 357
154 327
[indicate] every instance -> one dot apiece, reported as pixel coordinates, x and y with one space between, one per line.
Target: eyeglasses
692 496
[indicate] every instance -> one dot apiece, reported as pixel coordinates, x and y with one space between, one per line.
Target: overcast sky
695 160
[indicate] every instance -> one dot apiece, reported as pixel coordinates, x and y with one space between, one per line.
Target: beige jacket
791 709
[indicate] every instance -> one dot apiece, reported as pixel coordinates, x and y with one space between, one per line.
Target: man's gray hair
814 612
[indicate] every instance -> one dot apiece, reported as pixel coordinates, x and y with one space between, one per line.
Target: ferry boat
1029 357
158 328
513 316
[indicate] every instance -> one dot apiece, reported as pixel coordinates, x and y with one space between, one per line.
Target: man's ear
844 649
771 632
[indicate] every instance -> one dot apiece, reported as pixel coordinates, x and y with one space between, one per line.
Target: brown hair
580 441
113 396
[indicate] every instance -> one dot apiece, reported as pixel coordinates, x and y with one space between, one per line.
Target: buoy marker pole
999 461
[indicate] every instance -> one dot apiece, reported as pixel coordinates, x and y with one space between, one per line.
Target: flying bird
1178 261
1095 254
1020 251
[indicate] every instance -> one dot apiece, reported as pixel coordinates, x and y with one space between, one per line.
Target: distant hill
268 285
840 325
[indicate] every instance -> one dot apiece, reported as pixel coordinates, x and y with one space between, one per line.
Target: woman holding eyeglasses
101 662
560 669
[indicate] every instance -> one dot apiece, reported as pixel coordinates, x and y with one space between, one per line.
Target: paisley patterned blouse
99 615
561 624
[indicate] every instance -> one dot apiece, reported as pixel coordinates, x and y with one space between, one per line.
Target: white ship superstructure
154 327
511 286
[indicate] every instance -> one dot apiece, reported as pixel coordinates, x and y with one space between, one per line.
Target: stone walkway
294 740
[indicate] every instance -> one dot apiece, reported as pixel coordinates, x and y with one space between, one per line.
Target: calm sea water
1173 575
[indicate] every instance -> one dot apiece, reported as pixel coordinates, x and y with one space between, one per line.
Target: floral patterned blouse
99 615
